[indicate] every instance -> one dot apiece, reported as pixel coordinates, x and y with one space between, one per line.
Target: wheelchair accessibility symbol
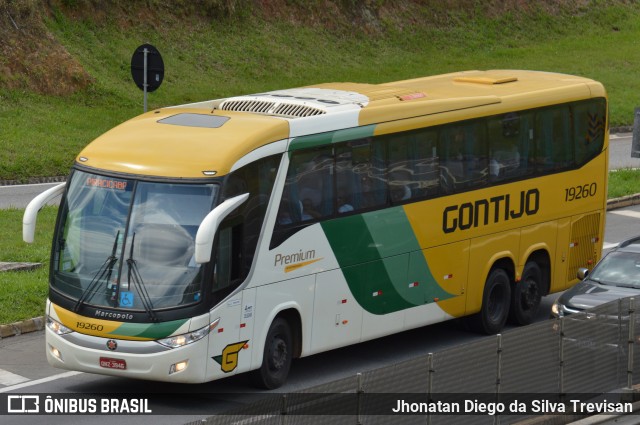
126 299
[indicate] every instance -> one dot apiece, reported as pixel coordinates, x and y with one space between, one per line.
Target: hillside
35 55
65 76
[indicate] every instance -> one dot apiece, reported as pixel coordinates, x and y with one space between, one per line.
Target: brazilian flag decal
382 261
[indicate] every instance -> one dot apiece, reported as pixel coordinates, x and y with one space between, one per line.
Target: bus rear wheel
277 356
526 295
495 304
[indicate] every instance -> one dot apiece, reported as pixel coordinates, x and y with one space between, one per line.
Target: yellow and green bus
233 235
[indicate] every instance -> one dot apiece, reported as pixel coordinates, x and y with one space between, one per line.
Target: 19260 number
580 192
89 326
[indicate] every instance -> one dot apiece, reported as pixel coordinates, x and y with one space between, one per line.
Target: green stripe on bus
323 139
148 330
421 287
382 262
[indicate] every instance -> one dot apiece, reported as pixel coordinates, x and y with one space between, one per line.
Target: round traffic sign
155 67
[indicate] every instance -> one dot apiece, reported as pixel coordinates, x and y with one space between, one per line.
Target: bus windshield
129 244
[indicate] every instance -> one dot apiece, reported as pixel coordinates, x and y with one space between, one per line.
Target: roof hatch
195 120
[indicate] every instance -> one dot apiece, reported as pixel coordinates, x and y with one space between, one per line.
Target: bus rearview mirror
209 226
31 212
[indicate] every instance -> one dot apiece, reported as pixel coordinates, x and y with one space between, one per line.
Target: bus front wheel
495 304
277 356
526 295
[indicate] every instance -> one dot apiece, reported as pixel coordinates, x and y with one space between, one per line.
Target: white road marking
8 378
608 245
29 185
39 381
626 213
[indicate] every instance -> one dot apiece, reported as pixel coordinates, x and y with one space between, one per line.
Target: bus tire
277 356
495 304
526 295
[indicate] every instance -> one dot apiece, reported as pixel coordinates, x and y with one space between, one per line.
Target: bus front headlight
178 341
57 327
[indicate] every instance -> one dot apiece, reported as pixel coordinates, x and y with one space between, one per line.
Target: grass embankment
623 182
235 49
22 294
245 48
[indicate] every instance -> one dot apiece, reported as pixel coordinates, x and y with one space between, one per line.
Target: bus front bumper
129 359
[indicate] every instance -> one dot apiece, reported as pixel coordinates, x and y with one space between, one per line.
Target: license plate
110 363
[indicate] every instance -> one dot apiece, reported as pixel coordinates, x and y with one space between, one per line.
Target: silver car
616 276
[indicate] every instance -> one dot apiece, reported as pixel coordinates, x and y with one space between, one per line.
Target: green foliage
624 182
23 293
13 249
238 49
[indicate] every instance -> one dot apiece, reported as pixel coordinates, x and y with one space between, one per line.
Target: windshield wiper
134 276
105 271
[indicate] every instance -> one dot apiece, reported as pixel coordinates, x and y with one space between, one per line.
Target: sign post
635 140
147 69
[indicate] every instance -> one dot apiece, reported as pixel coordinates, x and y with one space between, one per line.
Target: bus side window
348 196
464 162
554 146
309 188
588 127
228 263
475 153
307 195
413 165
257 179
425 164
509 146
526 144
360 176
399 168
452 166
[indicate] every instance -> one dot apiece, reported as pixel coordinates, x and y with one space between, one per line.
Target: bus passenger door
226 347
225 344
247 326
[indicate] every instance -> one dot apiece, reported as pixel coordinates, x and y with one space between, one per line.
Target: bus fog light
55 352
178 367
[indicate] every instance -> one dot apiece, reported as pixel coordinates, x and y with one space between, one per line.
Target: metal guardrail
585 354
